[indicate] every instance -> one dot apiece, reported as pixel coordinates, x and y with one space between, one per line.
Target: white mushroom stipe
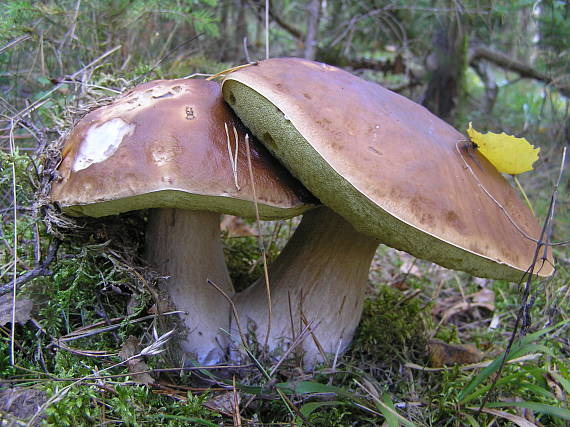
147 150
101 142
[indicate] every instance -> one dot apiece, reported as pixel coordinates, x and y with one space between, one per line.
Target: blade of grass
308 408
13 153
387 411
310 387
521 189
542 408
519 348
515 419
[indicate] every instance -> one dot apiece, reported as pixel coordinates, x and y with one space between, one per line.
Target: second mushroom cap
387 165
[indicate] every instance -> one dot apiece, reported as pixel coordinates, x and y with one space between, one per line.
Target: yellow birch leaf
507 153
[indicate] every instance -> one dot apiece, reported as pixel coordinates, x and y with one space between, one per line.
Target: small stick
230 70
41 101
233 159
15 266
511 220
236 415
234 310
262 247
236 158
306 331
14 42
315 339
40 270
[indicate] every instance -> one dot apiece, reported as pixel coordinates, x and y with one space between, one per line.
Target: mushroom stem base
319 281
185 247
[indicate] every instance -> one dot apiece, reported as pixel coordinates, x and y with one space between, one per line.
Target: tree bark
311 39
491 88
259 7
241 31
445 68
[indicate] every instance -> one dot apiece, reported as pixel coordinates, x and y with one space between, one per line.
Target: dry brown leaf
443 354
224 403
484 296
21 402
484 364
519 421
23 309
130 348
552 379
470 307
409 267
236 227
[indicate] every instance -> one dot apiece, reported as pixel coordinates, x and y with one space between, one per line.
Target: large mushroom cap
164 144
387 165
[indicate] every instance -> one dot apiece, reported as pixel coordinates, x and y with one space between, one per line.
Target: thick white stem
318 279
185 245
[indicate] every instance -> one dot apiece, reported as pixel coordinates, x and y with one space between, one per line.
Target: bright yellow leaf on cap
507 153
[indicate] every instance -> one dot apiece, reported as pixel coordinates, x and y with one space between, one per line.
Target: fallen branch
504 61
259 8
40 270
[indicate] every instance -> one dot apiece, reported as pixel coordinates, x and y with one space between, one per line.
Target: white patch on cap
101 142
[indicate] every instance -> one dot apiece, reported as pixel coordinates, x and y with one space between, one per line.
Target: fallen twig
40 270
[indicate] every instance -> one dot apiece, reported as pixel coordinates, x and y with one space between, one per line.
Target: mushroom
387 171
174 147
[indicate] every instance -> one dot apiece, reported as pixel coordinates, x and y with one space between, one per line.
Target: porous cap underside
164 144
388 165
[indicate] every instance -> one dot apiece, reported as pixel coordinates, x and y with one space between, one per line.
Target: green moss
243 258
392 330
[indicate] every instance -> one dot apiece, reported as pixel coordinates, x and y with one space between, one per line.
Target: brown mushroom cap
163 144
387 165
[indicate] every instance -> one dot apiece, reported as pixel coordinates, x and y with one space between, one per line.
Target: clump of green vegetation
393 330
243 259
244 254
128 404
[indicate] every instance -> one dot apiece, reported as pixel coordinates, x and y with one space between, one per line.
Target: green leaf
308 387
519 348
308 408
189 420
536 407
471 420
388 410
393 418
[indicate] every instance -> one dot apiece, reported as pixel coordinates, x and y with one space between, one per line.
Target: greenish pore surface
181 200
281 137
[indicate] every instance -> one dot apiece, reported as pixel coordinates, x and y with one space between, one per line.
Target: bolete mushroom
388 171
174 147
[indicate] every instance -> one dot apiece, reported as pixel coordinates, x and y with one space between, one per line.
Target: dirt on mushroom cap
164 144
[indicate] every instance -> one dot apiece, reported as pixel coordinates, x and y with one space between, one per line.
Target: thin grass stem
521 189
